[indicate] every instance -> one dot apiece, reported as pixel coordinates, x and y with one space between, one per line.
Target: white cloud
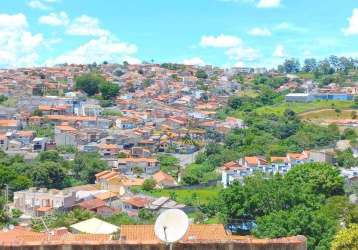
98 50
13 22
194 61
18 46
269 3
241 54
286 26
352 28
41 4
307 53
86 26
55 19
279 51
221 41
257 31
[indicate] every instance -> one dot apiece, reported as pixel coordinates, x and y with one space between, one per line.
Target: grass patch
305 75
327 114
187 196
299 107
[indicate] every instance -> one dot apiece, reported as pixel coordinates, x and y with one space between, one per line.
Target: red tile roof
91 204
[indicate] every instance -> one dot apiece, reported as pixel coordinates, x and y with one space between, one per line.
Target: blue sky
219 32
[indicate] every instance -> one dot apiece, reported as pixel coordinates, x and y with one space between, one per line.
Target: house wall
298 244
64 139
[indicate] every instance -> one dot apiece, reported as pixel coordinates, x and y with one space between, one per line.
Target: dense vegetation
92 84
309 200
267 135
333 69
49 170
77 215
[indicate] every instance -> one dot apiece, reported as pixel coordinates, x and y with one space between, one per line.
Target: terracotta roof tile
91 204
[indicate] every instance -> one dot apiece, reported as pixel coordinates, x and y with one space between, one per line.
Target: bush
149 184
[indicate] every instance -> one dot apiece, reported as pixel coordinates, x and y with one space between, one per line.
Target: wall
293 243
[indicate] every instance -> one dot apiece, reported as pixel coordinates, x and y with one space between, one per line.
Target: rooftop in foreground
143 237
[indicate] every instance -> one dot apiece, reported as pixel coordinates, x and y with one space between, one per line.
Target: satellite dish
171 225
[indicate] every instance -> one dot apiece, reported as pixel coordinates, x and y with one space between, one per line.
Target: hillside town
115 144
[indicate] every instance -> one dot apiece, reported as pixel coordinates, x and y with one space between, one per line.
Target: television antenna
171 225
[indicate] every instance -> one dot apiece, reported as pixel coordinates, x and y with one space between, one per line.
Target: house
110 198
55 109
108 149
253 162
238 170
125 123
133 166
4 141
132 205
9 125
94 226
164 203
96 205
25 137
41 201
164 180
298 158
115 182
299 97
140 152
279 165
39 144
66 135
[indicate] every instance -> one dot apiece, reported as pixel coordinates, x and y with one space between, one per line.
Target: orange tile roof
71 118
65 128
102 173
25 133
254 160
54 108
231 165
144 234
2 136
136 201
108 146
20 236
91 204
44 209
125 160
106 195
133 182
161 177
8 123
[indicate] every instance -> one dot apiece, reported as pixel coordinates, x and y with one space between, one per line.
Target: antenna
171 225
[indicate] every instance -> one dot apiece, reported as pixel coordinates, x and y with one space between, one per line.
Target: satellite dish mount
171 225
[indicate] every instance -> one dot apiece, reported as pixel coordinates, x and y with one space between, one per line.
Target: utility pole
6 197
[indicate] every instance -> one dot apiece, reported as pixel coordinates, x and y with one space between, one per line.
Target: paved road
186 159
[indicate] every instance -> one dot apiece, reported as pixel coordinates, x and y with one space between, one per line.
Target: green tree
201 74
86 165
146 215
346 159
318 178
37 112
169 164
89 83
149 184
108 90
234 102
318 228
48 174
346 239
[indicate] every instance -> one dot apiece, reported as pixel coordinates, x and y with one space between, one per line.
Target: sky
225 33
